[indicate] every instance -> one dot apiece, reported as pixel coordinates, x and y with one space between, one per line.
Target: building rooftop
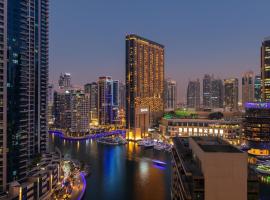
215 144
134 36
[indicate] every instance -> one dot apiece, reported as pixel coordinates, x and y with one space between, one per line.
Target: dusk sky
87 37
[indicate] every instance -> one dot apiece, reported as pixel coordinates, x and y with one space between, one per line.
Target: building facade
257 89
170 95
3 95
265 69
193 94
65 81
217 93
27 81
105 100
210 168
80 107
62 109
248 87
231 94
144 80
256 125
207 92
92 90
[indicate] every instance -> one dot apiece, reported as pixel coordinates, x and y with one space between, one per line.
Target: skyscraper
248 87
207 92
231 94
257 88
217 96
65 81
3 95
170 94
265 69
122 96
27 81
92 89
144 82
105 100
193 94
80 106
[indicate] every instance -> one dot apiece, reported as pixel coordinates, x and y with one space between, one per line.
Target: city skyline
231 43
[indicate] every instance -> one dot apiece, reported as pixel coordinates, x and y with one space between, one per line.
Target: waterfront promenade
87 137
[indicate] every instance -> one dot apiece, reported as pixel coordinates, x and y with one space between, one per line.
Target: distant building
170 96
122 96
62 109
217 93
248 87
108 100
144 83
265 69
92 90
80 106
257 88
256 125
65 81
207 92
210 168
231 94
193 94
50 104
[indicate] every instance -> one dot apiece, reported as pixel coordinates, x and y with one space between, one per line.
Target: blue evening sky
221 37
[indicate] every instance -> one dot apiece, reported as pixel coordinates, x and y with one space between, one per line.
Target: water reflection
120 172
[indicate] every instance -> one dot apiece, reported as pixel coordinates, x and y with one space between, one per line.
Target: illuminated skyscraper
231 94
193 94
27 83
207 93
144 82
265 69
170 95
217 94
92 89
247 87
257 88
108 99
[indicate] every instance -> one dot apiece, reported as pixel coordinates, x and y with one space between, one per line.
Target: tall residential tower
27 82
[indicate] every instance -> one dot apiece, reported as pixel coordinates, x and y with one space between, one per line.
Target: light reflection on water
120 172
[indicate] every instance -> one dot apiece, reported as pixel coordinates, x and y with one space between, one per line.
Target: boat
263 169
159 163
148 145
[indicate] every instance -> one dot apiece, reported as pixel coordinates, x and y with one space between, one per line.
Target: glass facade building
231 94
193 94
257 88
27 82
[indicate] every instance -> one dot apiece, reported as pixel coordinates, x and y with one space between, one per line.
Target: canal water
126 172
120 172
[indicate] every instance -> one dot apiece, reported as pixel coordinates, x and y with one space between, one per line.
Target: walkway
92 136
79 189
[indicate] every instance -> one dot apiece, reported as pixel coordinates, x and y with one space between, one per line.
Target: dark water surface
120 172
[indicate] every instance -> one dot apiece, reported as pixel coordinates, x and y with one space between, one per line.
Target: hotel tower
144 82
